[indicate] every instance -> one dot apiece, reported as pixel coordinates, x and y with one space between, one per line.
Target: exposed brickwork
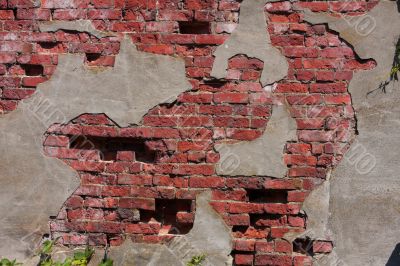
141 182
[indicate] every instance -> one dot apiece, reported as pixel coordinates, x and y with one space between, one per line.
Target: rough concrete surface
33 186
250 38
263 156
365 187
80 25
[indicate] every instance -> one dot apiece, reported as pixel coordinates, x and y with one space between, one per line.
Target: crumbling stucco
364 188
264 156
252 39
33 186
81 25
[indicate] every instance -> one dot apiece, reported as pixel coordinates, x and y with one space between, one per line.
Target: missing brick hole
91 57
303 246
215 83
110 147
239 228
33 70
48 45
190 27
267 195
167 214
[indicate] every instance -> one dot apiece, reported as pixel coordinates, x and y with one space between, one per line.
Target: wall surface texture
257 132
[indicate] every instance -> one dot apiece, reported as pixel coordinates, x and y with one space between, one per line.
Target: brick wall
158 168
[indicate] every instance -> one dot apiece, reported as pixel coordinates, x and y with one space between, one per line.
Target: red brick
296 221
58 141
297 196
283 184
244 245
305 171
210 39
151 228
243 134
206 182
244 259
302 261
338 99
316 135
328 87
6 14
315 6
322 246
278 208
237 219
33 81
283 246
244 207
140 203
231 97
291 159
276 260
264 246
291 88
185 218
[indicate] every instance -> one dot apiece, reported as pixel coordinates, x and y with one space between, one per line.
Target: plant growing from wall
7 262
394 72
79 258
106 261
196 260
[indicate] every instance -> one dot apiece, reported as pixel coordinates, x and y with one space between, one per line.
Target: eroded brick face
141 181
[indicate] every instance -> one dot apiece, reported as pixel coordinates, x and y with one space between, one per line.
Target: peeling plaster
80 25
33 186
251 38
263 156
365 187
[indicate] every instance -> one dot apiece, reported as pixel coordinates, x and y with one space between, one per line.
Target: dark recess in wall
394 259
194 27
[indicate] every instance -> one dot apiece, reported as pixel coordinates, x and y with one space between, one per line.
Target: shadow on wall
394 259
398 5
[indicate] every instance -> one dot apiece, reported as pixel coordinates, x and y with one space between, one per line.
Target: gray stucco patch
137 82
251 38
81 25
316 207
143 255
365 187
263 156
34 187
210 235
